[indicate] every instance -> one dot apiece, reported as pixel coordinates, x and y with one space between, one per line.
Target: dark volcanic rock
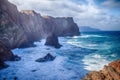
110 72
3 65
48 57
6 55
16 58
52 40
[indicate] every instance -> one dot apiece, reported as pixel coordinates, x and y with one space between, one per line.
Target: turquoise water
101 48
79 55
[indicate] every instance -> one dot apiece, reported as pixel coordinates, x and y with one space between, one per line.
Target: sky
101 14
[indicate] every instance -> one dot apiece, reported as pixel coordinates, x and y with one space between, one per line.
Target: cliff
20 29
10 32
110 72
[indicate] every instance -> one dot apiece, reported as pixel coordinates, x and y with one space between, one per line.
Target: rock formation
11 33
21 29
6 55
52 40
48 57
3 65
110 72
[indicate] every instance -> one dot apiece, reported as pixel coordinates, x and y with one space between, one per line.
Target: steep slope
10 32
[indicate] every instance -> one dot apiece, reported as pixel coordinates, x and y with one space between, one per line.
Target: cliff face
19 29
110 72
31 23
65 27
10 32
62 26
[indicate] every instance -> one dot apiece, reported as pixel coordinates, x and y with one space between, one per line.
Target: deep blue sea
78 55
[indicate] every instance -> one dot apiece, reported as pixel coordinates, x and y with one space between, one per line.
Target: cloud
111 4
84 12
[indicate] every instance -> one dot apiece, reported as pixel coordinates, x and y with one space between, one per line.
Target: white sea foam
113 55
83 44
87 36
28 69
92 45
95 62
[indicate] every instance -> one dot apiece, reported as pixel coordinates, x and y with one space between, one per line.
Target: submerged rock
110 72
48 57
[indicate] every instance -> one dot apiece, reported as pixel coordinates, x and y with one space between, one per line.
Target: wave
87 36
95 62
74 57
28 69
83 44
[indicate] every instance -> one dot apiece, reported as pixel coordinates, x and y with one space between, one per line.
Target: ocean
79 54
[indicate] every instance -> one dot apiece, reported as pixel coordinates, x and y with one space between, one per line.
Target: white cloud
111 3
84 14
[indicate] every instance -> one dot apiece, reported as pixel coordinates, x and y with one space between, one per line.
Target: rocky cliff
11 33
6 55
110 72
19 29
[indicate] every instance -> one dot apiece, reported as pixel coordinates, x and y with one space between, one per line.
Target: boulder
110 72
48 57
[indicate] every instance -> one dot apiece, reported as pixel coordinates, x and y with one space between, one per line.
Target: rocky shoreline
109 72
6 55
21 29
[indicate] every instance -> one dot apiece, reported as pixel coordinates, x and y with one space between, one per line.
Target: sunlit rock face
20 29
110 72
